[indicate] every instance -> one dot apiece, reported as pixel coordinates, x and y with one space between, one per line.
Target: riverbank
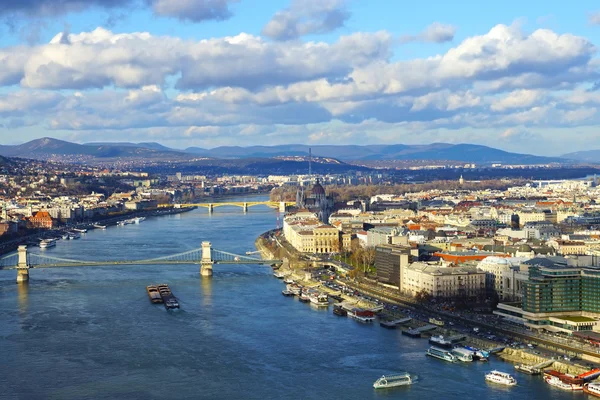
11 245
298 269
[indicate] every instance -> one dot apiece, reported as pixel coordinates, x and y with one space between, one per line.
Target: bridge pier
210 208
22 266
282 206
206 263
245 207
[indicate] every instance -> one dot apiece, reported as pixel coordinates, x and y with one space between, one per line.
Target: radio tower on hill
310 164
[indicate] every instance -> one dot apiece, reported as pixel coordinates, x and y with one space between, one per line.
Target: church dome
318 189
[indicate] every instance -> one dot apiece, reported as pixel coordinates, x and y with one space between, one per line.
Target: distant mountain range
591 156
47 148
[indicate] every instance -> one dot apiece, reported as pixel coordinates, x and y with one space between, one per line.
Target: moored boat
528 369
442 354
560 384
501 378
389 381
46 243
592 389
287 293
288 281
278 275
319 299
360 315
440 341
462 354
304 298
339 310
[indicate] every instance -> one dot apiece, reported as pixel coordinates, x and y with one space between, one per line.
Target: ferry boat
462 354
592 389
388 381
287 293
339 310
501 378
440 341
46 243
442 354
154 294
319 299
559 383
360 315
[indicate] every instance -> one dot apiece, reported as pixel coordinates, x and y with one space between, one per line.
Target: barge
167 296
154 294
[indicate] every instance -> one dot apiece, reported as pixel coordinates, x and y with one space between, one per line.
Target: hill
592 156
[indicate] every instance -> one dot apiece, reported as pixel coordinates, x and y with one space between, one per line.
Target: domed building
317 201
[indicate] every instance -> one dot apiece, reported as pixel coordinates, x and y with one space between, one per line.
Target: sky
523 76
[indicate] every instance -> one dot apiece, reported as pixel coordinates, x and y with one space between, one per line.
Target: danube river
91 332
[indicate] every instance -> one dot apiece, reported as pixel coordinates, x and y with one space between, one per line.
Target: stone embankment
519 356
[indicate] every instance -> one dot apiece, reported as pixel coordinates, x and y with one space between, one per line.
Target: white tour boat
319 299
388 381
558 383
46 243
442 354
440 341
592 389
501 378
462 354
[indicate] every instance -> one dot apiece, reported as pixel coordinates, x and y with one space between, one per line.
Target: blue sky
520 76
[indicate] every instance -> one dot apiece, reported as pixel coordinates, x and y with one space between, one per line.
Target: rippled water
91 333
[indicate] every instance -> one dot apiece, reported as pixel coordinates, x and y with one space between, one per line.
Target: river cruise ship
442 354
388 381
319 299
46 243
501 378
462 354
592 389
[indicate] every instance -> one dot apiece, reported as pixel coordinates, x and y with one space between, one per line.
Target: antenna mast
310 164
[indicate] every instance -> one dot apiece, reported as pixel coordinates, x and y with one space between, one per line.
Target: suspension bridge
282 206
205 256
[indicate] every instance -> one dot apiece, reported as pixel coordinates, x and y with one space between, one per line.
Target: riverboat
303 298
295 289
440 341
278 275
462 354
137 220
442 354
319 299
102 227
80 230
46 243
339 310
389 381
592 389
154 294
288 281
501 378
287 293
74 235
560 384
360 315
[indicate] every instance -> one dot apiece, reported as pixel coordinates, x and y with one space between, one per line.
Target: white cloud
516 99
306 17
434 33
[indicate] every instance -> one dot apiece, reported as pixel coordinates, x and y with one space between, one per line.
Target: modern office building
391 261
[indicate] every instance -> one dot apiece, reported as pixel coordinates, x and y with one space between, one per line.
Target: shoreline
420 314
110 220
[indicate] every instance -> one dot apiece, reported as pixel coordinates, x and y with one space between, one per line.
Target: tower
461 180
310 164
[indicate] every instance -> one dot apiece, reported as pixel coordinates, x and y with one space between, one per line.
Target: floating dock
416 332
393 324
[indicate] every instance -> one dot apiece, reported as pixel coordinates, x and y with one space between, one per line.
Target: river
91 332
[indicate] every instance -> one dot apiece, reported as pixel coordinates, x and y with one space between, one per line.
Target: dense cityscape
299 199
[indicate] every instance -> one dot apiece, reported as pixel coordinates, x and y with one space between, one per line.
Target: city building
317 201
454 283
41 219
391 261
